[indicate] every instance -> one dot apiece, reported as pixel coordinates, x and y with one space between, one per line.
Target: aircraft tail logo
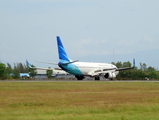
63 58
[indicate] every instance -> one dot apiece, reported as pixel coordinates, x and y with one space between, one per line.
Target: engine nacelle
110 75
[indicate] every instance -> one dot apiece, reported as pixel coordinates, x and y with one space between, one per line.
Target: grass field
79 100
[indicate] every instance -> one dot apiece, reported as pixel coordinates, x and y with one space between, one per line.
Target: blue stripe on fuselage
70 68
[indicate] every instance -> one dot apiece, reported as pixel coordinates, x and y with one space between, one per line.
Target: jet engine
110 75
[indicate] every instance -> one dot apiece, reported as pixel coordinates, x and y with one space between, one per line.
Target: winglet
28 64
134 62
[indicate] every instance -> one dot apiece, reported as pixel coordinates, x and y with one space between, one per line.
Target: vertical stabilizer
28 64
61 51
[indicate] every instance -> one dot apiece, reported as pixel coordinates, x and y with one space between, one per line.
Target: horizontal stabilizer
40 68
58 69
47 62
69 62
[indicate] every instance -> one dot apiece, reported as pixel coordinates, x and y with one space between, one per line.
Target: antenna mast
113 55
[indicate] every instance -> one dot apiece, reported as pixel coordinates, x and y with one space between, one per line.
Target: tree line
143 72
9 72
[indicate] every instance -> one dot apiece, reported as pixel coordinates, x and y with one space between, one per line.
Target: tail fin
28 64
61 51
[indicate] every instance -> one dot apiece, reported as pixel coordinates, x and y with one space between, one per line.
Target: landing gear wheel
79 77
97 78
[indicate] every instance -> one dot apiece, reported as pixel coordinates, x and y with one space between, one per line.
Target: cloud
149 39
87 46
92 42
85 27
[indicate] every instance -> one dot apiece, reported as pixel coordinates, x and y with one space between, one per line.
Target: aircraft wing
120 69
99 72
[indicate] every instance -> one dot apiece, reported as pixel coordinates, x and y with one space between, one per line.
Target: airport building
57 73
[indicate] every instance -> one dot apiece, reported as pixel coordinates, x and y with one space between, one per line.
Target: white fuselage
90 68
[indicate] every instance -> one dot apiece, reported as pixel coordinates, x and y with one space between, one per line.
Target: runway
78 81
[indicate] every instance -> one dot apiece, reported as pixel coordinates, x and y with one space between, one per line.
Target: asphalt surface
77 81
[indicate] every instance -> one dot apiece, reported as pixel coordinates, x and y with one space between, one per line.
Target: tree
152 75
127 64
32 71
125 74
119 65
16 74
49 72
113 63
151 69
9 69
143 66
2 70
20 67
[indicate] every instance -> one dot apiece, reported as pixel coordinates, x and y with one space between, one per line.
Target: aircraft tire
97 78
79 77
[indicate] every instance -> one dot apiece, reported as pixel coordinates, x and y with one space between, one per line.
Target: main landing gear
79 77
97 78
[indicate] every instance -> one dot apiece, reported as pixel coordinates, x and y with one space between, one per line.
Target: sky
94 31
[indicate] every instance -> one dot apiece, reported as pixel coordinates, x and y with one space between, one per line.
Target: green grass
79 100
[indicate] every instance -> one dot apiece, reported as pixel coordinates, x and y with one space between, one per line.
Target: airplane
83 69
56 71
